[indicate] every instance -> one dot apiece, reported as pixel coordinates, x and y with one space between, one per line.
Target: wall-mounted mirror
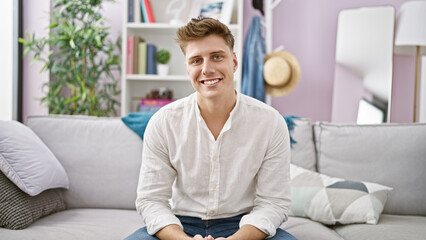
363 69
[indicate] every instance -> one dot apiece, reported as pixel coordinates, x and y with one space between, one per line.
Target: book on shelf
151 63
142 57
137 13
130 10
143 19
132 54
143 11
147 12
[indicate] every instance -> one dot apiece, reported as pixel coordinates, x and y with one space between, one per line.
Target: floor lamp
410 37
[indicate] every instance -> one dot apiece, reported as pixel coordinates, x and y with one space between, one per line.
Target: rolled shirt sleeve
273 196
155 181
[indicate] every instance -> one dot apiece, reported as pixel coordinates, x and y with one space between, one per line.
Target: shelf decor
217 9
162 57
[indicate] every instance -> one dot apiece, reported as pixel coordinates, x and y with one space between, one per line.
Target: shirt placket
213 202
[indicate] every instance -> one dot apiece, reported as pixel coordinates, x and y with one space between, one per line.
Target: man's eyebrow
216 52
193 57
211 53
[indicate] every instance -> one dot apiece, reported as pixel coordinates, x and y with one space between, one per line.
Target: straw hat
281 72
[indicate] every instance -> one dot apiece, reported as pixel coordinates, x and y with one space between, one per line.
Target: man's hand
175 232
246 232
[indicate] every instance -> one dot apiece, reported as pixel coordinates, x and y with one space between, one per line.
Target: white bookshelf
162 34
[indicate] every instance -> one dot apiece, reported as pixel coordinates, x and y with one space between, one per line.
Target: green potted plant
162 57
83 62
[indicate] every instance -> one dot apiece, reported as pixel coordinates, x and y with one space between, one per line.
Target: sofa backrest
390 154
303 150
101 156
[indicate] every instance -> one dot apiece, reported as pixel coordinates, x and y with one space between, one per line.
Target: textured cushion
102 157
26 160
305 229
388 154
390 227
85 223
334 200
303 151
18 210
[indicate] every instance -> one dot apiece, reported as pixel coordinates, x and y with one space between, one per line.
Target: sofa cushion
390 227
102 157
105 224
303 150
388 154
26 160
18 210
303 228
334 200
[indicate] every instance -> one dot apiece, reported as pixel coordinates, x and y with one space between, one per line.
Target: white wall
8 61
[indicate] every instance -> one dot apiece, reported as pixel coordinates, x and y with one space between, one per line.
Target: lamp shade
411 28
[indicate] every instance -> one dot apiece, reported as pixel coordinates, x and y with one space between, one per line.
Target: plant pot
162 69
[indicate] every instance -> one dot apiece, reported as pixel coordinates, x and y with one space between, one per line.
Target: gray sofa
102 157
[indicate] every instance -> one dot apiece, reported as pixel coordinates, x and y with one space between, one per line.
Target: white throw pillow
27 161
331 200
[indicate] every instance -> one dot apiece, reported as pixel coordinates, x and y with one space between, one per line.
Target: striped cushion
18 210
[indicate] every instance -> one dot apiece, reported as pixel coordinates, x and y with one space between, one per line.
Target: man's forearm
172 232
248 232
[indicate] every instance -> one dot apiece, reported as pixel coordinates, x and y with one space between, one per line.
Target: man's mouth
211 81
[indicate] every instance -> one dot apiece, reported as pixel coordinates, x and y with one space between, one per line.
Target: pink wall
308 29
34 21
402 107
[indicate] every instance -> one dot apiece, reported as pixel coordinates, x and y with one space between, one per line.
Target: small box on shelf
153 101
153 105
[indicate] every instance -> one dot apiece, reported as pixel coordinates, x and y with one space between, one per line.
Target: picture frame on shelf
217 9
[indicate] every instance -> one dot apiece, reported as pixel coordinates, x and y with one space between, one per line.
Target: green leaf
44 67
73 99
72 44
26 51
52 25
57 90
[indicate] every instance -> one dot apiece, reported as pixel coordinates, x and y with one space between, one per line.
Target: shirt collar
228 123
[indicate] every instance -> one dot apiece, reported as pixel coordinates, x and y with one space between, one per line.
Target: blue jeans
224 227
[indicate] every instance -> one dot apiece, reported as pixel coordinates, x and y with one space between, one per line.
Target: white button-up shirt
244 171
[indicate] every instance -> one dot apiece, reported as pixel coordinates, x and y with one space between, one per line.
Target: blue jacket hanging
254 52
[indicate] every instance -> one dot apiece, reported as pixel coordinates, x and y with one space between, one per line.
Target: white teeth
211 82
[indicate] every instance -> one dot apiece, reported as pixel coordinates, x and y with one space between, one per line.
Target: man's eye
196 61
217 57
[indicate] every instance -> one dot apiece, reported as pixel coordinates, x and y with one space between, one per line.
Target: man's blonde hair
202 27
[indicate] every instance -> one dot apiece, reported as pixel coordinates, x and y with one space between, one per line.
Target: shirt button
211 212
214 186
214 158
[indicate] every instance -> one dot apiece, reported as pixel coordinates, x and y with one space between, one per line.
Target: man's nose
208 67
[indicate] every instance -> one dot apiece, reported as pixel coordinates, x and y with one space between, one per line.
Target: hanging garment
254 51
258 4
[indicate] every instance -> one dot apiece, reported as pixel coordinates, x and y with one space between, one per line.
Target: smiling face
210 65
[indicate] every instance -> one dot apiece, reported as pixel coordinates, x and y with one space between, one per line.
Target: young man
222 157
